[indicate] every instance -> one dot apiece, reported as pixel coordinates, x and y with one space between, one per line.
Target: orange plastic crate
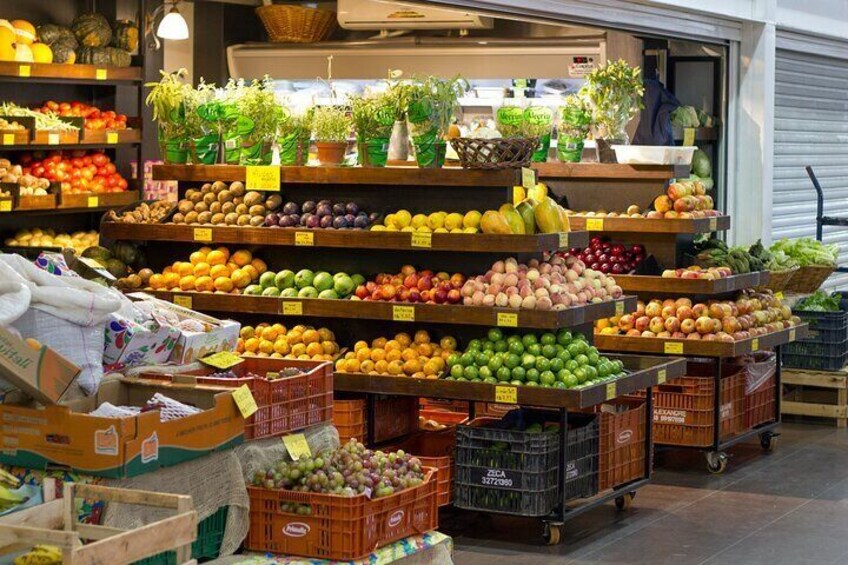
349 420
394 417
622 444
337 527
759 404
434 449
444 418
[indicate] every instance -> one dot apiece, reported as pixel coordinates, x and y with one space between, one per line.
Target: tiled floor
788 507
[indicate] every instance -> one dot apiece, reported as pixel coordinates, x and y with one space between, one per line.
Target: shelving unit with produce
378 190
86 86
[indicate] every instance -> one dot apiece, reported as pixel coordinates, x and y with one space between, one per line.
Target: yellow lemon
453 221
402 218
419 220
472 219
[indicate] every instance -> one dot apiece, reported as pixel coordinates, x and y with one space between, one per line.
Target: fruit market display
219 204
558 360
7 125
269 376
37 237
411 285
556 284
323 214
44 121
715 253
683 199
304 283
751 314
78 171
95 119
348 470
28 185
696 272
145 213
278 341
404 355
609 258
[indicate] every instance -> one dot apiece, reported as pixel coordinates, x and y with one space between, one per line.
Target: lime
449 378
604 369
462 379
547 339
482 358
564 337
453 359
547 378
594 358
511 361
485 372
619 366
532 375
516 383
549 351
467 359
474 344
582 360
534 349
570 380
581 375
503 374
528 361
513 338
528 339
470 373
560 384
519 374
516 347
542 364
456 371
564 355
501 346
592 349
574 349
591 373
557 364
488 345
495 334
495 363
491 380
531 383
571 365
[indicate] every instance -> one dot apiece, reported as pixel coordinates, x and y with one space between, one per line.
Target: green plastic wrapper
259 153
429 150
174 151
373 152
540 155
232 147
569 148
205 149
294 148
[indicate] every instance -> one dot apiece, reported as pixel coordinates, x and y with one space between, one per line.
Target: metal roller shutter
810 128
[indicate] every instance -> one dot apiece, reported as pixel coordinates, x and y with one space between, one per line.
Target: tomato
99 159
122 184
110 168
86 174
64 107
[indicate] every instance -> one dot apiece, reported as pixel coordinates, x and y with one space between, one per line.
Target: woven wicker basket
809 279
504 153
296 24
779 279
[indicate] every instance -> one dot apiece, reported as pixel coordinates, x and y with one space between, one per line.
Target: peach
716 311
685 313
626 322
683 302
634 333
687 326
668 312
653 309
699 310
642 323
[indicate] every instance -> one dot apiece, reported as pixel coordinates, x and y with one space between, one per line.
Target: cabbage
701 165
685 117
808 252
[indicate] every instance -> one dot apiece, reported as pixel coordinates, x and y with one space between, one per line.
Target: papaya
547 216
563 218
538 192
494 222
513 218
525 209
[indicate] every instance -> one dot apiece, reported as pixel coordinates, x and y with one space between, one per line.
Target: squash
65 51
119 57
125 35
51 33
104 56
92 30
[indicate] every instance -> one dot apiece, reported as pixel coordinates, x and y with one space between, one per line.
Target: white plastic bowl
653 155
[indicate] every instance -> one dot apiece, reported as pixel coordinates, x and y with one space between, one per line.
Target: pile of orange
277 341
404 355
210 270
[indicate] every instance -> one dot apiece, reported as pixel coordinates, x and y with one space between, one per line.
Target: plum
291 208
373 216
352 208
309 207
286 222
326 221
338 209
324 210
361 222
313 221
325 202
305 218
272 219
340 222
350 219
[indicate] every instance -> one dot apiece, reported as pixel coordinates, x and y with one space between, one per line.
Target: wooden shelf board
76 73
604 171
645 225
657 284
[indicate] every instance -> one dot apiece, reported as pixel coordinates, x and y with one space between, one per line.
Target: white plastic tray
653 155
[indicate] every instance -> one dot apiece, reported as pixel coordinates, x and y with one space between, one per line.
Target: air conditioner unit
378 15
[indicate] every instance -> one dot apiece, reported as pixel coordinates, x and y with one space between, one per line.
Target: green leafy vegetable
820 302
808 252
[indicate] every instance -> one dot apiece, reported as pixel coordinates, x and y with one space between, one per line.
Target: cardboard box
67 436
41 373
129 344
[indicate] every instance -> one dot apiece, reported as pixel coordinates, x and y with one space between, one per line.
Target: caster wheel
625 501
716 462
551 533
767 441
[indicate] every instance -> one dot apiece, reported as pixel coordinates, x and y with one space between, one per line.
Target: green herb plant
436 98
575 116
167 98
330 124
258 105
614 95
372 117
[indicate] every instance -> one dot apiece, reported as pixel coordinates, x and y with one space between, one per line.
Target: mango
494 222
525 209
547 216
513 218
518 194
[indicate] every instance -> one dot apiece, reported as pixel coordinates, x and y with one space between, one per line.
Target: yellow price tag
403 313
101 74
24 71
688 137
297 446
673 347
223 359
8 139
422 239
508 319
778 295
203 234
52 139
528 178
661 374
791 330
595 224
292 308
5 205
112 137
245 401
93 201
713 224
506 394
182 300
263 177
611 392
304 238
563 240
755 344
619 309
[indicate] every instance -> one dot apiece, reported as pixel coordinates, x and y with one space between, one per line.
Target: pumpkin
119 57
92 30
51 33
103 56
65 51
125 35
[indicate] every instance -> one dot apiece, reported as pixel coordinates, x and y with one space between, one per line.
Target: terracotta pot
331 153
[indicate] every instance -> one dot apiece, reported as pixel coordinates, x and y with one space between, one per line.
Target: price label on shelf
292 308
563 240
713 224
203 234
182 300
661 374
755 344
101 74
673 347
528 178
507 319
8 139
297 446
52 139
688 137
594 224
791 330
263 177
778 295
506 394
304 238
223 360
112 137
24 71
422 239
403 313
5 205
245 401
93 201
611 391
619 309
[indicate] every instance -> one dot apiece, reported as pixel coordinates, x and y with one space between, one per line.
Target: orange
24 32
392 344
281 329
303 357
240 278
314 349
172 280
409 354
240 346
205 249
201 269
167 270
366 366
330 348
219 271
301 328
156 281
411 366
216 258
311 336
223 284
422 336
395 368
269 333
326 335
403 338
242 257
418 375
393 355
381 366
225 251
293 337
197 257
259 265
298 349
363 354
360 345
204 284
266 346
425 349
439 362
251 345
276 355
185 269
282 347
352 366
448 342
246 332
175 267
232 266
380 342
378 354
262 354
251 270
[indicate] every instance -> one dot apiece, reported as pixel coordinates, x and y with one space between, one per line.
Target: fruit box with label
67 436
219 335
35 369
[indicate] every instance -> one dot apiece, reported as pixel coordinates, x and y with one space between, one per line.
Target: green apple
304 278
271 291
289 293
284 279
307 292
267 279
343 285
322 281
328 294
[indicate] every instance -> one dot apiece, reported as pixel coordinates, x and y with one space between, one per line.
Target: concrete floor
788 507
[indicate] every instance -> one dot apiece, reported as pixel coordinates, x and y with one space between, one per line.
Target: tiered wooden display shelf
656 285
819 394
648 225
76 73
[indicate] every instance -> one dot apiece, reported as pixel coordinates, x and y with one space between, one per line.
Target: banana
40 555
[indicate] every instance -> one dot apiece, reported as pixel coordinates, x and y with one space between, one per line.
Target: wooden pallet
811 393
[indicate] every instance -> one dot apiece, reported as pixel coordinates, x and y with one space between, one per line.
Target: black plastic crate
815 348
581 471
813 362
824 321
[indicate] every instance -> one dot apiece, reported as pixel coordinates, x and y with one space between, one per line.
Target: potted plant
228 99
258 117
614 94
397 98
204 124
574 124
168 100
538 121
330 128
430 109
293 135
373 120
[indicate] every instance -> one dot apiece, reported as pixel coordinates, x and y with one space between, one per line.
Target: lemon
440 230
472 219
419 220
456 230
378 227
407 228
424 229
389 219
402 218
392 228
453 221
436 220
471 230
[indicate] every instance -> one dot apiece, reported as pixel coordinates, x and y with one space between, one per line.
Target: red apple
664 335
425 282
411 281
695 336
672 325
642 323
370 286
454 296
678 335
656 325
457 280
704 325
730 324
634 333
388 291
440 296
685 313
441 275
699 310
407 270
653 309
626 322
414 295
425 295
668 312
716 311
716 325
680 302
687 326
403 294
361 292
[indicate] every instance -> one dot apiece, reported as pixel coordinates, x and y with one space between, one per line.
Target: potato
191 217
243 220
204 217
225 196
185 207
206 188
201 207
241 209
209 198
227 207
237 188
256 209
231 219
215 207
252 198
178 218
218 186
195 197
217 219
